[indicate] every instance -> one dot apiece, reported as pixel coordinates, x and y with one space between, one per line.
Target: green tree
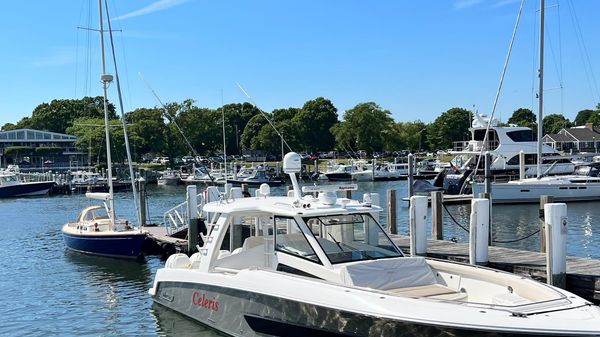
584 116
250 139
452 125
91 138
523 117
314 122
147 132
364 127
59 114
236 117
553 123
8 127
411 136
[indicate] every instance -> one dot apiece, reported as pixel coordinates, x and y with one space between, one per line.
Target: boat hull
26 189
128 245
245 313
335 176
531 193
168 181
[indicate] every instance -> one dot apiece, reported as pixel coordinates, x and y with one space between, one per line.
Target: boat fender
178 260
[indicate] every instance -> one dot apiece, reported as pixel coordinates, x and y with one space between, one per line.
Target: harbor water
47 290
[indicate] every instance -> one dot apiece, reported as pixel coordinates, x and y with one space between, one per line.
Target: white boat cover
403 272
98 196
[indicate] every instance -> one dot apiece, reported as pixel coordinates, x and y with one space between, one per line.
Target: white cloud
57 58
503 3
157 6
462 4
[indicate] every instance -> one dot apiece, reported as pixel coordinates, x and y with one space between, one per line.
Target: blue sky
414 58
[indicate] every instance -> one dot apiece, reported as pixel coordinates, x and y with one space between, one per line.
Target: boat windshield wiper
336 242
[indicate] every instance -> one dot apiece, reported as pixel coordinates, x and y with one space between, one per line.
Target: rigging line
487 130
583 50
557 62
166 114
533 62
120 96
265 116
224 141
560 59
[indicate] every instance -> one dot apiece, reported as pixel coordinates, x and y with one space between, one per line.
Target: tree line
179 129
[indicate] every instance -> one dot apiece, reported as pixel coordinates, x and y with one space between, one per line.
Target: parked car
188 159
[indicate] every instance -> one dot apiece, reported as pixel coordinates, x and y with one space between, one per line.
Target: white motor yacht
305 266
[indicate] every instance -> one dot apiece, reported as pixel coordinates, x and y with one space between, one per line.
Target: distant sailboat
97 231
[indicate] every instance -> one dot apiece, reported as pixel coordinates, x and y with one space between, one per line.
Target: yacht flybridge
305 266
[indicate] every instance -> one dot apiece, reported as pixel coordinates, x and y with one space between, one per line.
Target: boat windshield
351 237
8 179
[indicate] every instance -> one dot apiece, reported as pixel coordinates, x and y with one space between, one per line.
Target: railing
475 145
177 218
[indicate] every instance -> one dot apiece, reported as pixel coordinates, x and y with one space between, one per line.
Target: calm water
47 290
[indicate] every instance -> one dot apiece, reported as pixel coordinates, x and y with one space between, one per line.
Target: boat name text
200 300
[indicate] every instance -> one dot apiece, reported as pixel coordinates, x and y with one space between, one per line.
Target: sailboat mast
138 207
106 79
540 93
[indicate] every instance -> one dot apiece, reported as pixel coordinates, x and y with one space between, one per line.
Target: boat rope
494 241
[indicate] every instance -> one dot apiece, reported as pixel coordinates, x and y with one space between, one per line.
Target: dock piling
479 232
555 215
418 221
392 209
437 229
142 193
192 210
411 172
544 199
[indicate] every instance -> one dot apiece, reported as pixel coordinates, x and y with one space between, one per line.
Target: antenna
265 116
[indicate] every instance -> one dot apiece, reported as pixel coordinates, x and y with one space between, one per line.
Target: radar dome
292 163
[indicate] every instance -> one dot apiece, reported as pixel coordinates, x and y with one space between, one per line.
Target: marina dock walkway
583 275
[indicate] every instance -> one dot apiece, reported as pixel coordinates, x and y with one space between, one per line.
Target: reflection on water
172 323
48 290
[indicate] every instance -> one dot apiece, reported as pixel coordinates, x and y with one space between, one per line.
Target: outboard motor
439 178
453 183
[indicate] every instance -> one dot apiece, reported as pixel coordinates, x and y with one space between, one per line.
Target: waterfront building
36 148
585 138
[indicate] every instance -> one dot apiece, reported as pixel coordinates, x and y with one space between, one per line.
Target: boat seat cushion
403 272
436 291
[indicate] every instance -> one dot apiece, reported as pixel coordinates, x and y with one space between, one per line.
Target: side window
289 239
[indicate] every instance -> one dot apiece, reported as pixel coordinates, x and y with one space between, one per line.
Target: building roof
559 137
583 134
30 135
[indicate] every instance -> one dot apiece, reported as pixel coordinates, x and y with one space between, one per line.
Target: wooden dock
158 242
583 275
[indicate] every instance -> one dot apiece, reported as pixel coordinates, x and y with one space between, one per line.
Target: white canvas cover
388 274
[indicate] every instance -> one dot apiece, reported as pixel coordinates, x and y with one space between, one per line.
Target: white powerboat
169 177
11 186
383 172
305 266
582 185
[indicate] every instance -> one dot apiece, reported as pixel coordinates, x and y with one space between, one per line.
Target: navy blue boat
96 233
11 186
